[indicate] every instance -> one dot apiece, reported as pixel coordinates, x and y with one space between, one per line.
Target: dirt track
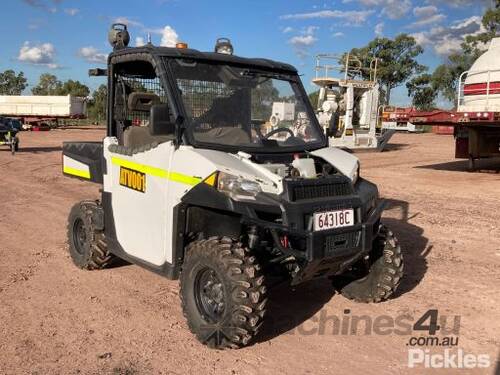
56 319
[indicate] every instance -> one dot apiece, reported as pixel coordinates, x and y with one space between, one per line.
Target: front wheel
222 292
384 272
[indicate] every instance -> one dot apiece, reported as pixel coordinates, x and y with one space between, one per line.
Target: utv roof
198 55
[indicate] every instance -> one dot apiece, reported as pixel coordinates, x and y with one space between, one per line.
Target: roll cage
149 65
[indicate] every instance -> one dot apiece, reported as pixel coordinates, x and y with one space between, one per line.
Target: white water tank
481 91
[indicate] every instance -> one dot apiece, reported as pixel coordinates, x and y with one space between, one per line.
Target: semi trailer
39 110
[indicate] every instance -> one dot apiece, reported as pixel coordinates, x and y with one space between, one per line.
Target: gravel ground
56 319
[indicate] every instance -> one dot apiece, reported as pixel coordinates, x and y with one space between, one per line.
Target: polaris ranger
197 185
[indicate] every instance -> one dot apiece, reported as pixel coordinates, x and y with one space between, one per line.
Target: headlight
355 175
237 187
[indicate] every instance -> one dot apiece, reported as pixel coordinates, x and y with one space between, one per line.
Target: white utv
196 185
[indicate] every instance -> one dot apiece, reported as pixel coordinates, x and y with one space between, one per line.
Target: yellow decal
157 172
211 180
133 179
76 172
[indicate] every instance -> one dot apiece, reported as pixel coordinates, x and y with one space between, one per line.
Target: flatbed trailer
477 134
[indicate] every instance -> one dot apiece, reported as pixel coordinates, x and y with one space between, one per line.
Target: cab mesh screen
127 85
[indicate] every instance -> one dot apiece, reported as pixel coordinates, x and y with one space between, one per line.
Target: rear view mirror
160 121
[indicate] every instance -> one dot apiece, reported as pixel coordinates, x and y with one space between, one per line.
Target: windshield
243 108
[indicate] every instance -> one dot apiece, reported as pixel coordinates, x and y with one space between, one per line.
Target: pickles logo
133 179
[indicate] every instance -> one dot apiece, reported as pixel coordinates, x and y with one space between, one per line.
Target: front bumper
330 253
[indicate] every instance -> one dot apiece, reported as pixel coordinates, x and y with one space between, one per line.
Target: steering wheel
279 130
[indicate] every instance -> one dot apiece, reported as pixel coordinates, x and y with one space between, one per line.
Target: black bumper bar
331 252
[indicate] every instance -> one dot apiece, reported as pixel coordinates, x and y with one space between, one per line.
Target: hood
240 165
344 162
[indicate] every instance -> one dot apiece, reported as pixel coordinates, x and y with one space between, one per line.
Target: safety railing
349 65
484 89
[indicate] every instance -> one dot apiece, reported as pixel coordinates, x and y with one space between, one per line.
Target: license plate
333 219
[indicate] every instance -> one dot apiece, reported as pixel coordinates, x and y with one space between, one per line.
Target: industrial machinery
348 107
477 118
198 191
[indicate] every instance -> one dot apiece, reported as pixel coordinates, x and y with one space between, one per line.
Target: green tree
313 98
96 106
445 77
491 23
422 93
12 83
75 88
263 97
48 84
396 61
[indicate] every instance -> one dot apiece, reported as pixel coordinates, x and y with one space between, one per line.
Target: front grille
301 192
342 241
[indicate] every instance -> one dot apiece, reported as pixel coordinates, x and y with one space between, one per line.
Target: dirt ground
57 319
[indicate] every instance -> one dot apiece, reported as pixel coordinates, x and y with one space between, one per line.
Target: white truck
35 110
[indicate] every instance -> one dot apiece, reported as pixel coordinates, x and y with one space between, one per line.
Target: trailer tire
87 245
222 292
385 272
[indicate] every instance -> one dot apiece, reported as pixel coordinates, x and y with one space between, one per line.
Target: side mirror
160 122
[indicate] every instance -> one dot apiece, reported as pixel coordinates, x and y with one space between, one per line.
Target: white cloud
379 29
72 11
303 40
447 40
42 4
338 34
301 43
310 30
139 41
127 21
352 16
92 54
426 11
39 54
426 16
287 29
169 37
461 3
432 20
393 9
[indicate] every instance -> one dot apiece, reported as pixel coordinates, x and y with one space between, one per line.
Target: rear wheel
87 245
222 292
385 270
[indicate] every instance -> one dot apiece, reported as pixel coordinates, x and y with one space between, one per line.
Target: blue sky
67 37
